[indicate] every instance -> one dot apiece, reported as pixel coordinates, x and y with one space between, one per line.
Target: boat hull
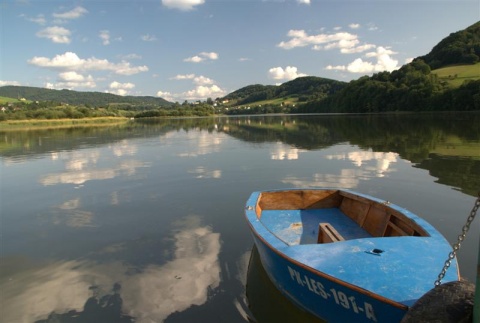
323 296
370 276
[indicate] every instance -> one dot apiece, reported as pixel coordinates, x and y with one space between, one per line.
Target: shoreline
33 124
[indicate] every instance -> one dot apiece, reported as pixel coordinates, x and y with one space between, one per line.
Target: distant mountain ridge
78 98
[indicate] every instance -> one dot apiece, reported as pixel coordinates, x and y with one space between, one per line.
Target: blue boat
345 256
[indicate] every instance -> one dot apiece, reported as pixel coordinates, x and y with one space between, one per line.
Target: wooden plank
327 234
299 199
376 220
393 230
355 210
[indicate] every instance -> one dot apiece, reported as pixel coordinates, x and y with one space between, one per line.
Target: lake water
144 222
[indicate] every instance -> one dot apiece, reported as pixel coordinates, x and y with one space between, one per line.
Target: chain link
460 239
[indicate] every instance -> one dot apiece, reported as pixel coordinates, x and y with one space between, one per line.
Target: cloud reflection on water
70 214
348 178
282 152
150 294
382 160
202 143
368 165
202 172
79 176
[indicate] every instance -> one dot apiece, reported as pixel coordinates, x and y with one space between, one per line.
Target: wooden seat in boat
327 234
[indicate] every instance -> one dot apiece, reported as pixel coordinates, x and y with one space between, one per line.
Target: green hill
301 89
4 100
461 47
94 99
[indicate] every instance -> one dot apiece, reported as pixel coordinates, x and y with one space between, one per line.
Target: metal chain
460 239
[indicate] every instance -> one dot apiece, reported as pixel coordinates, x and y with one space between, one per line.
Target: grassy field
59 123
4 100
278 101
456 75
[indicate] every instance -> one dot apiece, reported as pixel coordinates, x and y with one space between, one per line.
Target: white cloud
204 88
69 61
203 56
194 59
72 80
3 83
337 67
124 68
303 1
184 77
56 34
354 26
39 19
120 88
384 62
289 73
299 38
71 76
356 49
118 85
346 42
202 80
72 14
148 37
211 55
359 66
166 95
105 37
203 92
183 5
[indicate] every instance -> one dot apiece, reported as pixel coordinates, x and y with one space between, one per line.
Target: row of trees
54 110
185 110
263 109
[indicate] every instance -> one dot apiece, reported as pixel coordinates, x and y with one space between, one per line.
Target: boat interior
327 216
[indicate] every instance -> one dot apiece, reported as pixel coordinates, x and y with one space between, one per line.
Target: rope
460 239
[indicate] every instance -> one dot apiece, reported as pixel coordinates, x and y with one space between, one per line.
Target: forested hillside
461 47
93 99
411 88
304 89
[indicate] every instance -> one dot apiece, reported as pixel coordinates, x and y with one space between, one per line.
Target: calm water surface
144 222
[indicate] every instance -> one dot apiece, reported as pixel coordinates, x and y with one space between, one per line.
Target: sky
197 49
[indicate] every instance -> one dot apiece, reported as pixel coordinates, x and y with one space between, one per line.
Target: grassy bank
456 75
5 100
59 123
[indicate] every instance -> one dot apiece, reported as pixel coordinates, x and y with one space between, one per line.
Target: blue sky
196 49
